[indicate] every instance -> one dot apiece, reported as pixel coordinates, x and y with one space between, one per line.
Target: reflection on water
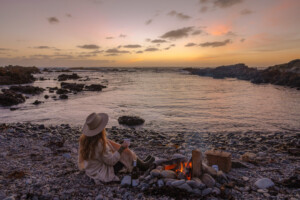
170 101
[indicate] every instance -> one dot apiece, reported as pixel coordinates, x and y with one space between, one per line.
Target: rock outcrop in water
64 77
27 89
10 98
17 75
131 120
285 74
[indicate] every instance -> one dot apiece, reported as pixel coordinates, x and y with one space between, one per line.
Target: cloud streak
179 15
132 46
116 51
89 46
159 41
151 49
191 44
215 44
178 33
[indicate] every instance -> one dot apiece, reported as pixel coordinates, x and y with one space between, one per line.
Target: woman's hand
124 145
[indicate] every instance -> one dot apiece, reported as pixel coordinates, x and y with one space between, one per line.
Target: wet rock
94 87
131 120
62 91
63 96
197 192
37 102
216 191
64 77
99 197
9 98
208 180
264 183
168 174
126 181
72 86
46 96
27 89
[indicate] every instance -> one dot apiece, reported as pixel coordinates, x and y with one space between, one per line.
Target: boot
148 158
144 165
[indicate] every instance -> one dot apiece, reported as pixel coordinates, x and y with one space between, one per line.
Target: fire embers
183 170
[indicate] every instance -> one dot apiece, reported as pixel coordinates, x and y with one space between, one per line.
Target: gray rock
177 183
208 180
185 187
197 192
160 183
206 191
67 155
99 197
216 191
264 183
126 181
193 183
155 173
168 174
10 198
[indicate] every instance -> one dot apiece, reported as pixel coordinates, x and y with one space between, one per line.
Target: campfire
182 169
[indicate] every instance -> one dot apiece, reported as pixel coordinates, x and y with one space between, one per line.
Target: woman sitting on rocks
102 158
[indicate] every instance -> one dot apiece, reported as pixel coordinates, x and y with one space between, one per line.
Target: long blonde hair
88 145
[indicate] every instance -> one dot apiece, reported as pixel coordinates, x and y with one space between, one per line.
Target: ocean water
170 101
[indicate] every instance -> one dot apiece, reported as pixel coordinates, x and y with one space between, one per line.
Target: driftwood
196 163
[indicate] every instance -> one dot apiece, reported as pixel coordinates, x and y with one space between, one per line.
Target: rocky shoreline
287 74
40 162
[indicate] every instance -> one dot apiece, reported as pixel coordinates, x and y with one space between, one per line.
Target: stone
185 187
131 120
10 75
63 96
10 98
64 77
160 183
62 91
72 86
155 173
245 178
216 191
37 102
28 89
262 190
99 197
126 181
94 87
248 157
264 183
193 183
67 155
177 183
206 191
209 170
237 164
168 174
208 180
197 192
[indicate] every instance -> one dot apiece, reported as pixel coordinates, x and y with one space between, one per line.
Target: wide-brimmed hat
94 124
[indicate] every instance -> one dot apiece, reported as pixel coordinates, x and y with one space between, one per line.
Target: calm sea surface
170 101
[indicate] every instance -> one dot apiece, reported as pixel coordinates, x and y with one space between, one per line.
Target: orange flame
181 169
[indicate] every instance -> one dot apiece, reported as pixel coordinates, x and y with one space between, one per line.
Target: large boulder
131 120
9 98
17 75
64 77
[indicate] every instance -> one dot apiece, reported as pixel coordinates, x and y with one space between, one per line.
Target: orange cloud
219 29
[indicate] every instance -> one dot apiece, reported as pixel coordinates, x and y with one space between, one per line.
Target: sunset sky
137 33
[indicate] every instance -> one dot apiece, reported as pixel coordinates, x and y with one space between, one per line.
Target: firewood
196 163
